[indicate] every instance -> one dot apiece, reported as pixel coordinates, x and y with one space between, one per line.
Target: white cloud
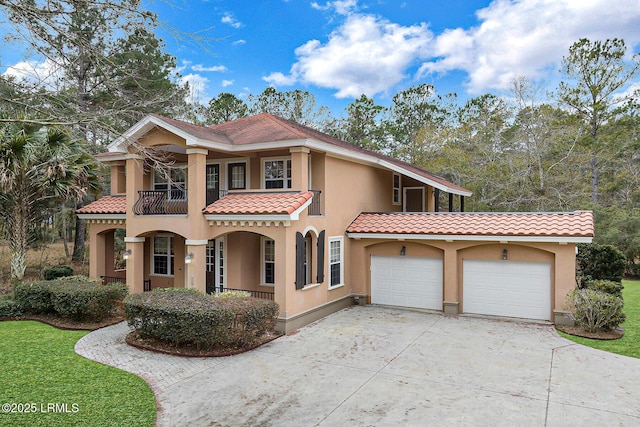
226 83
528 38
366 54
216 68
198 86
239 42
342 7
229 19
45 74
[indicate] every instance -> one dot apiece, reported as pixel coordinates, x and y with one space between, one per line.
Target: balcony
161 202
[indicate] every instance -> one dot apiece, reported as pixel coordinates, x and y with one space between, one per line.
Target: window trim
339 239
396 192
168 255
228 174
288 179
263 262
184 189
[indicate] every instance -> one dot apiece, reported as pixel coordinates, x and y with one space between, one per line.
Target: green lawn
629 344
40 368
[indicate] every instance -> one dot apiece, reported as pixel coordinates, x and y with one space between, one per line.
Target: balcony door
213 183
215 265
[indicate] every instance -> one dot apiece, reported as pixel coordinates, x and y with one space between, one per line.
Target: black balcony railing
315 206
160 202
113 279
213 195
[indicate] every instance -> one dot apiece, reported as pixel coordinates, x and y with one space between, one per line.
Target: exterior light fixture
403 251
504 254
126 254
188 258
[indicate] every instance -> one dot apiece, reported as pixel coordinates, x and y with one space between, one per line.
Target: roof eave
465 237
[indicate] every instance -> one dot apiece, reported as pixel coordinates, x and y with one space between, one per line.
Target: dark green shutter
300 279
320 266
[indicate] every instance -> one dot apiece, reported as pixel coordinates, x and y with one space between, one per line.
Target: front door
215 265
211 267
213 183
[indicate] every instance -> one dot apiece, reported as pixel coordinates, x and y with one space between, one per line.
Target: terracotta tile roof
203 132
556 224
106 205
249 203
268 128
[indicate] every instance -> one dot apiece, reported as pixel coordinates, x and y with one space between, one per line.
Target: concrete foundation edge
297 321
563 318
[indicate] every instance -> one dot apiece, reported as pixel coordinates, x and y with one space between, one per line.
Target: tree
38 167
224 108
597 71
297 105
412 110
362 126
109 69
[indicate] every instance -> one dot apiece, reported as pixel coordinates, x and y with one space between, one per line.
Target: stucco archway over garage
483 255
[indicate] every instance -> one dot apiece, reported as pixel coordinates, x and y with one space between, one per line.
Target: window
237 176
163 255
269 262
396 189
308 241
174 182
336 265
277 174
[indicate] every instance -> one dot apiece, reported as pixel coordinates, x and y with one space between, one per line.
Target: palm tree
39 167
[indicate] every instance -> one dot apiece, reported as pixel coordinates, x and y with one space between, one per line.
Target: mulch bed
602 334
134 340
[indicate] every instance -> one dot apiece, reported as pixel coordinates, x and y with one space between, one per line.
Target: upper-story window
174 181
277 173
396 189
237 179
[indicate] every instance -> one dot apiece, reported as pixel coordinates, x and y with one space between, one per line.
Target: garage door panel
406 281
507 288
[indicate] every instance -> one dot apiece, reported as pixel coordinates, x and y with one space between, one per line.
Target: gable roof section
105 207
252 204
268 131
551 227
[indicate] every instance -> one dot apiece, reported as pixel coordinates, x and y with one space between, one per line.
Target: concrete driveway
376 366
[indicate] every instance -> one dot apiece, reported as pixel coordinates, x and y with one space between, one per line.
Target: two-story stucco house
276 208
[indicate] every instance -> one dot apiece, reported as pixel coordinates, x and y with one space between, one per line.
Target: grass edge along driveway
629 344
43 382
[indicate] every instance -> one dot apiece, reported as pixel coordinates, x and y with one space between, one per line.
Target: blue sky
338 50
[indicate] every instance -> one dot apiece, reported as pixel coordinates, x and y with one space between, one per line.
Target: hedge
57 271
184 317
9 308
606 286
601 262
77 298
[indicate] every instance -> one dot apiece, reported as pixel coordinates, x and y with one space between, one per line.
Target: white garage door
406 281
507 288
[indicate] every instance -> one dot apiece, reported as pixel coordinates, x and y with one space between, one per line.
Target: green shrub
57 271
77 299
187 317
9 308
606 286
595 310
232 294
601 262
253 317
179 317
34 297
